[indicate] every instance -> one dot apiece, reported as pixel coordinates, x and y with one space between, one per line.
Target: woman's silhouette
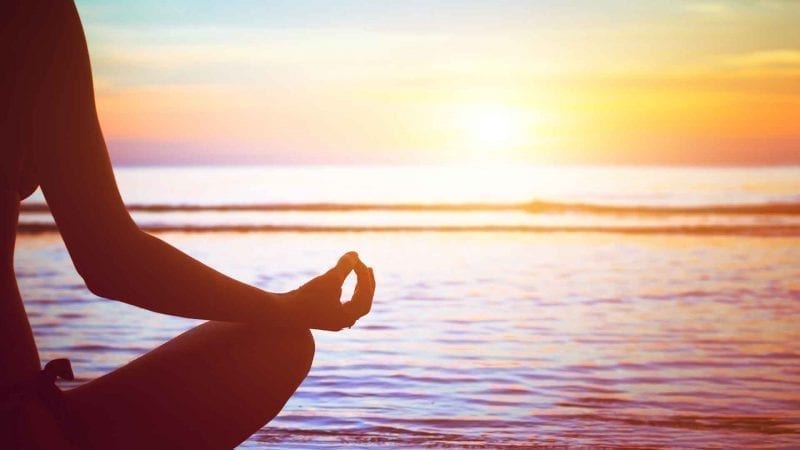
210 387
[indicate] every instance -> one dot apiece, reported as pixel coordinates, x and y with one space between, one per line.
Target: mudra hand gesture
317 303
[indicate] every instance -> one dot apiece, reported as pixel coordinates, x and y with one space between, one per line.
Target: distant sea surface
644 307
527 199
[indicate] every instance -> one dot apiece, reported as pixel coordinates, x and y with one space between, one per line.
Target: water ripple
502 341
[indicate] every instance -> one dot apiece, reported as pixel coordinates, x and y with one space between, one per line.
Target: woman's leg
210 387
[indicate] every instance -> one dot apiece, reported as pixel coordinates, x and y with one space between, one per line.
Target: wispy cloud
776 59
710 8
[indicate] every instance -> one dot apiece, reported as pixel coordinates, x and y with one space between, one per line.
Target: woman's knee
301 343
293 350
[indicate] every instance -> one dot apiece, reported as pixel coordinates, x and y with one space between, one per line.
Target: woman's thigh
210 387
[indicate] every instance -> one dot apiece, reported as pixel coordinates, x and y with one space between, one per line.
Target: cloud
731 8
772 63
716 9
768 59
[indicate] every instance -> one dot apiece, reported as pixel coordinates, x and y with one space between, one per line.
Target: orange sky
448 82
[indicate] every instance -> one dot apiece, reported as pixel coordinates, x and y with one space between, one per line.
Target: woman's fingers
345 314
361 302
372 279
346 264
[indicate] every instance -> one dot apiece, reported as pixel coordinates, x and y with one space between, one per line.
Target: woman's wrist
286 311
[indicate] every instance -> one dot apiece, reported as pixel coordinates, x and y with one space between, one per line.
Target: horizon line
476 164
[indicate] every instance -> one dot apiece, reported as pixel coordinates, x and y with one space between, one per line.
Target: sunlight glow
492 129
497 82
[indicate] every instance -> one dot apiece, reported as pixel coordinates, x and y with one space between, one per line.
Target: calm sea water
742 201
655 325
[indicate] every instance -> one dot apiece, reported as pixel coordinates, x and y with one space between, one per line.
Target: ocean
515 307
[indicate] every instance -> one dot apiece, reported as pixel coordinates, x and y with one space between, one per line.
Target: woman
210 387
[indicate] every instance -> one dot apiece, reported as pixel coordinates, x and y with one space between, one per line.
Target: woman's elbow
102 265
97 279
101 269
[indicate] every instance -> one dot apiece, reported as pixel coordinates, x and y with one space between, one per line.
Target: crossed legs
210 387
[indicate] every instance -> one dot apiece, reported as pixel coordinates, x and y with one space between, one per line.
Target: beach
566 327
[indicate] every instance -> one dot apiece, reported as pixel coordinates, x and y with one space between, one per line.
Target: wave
777 208
742 230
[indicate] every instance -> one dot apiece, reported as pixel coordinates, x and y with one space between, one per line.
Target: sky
447 82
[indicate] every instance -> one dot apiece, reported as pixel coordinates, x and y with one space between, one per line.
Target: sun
494 130
490 129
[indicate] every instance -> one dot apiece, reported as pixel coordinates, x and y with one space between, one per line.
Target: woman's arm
116 259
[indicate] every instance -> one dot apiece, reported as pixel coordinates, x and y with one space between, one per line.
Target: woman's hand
317 303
